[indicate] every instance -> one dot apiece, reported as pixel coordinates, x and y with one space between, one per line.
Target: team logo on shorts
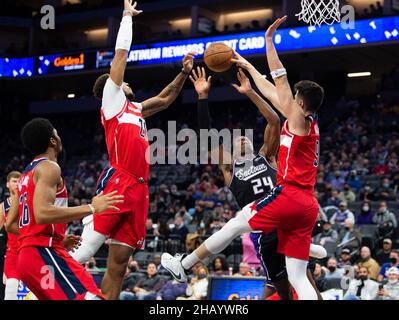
116 180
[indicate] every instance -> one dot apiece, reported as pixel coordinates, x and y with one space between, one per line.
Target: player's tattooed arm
287 105
123 42
13 214
169 94
47 178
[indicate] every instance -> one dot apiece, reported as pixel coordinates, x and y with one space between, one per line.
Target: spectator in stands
329 235
381 168
249 255
383 255
362 288
338 182
157 260
91 266
244 270
349 236
220 267
347 195
149 226
129 282
393 262
162 231
197 289
319 277
345 258
366 194
332 271
341 215
385 191
180 230
365 215
147 287
172 290
354 181
385 221
366 260
187 218
390 290
75 228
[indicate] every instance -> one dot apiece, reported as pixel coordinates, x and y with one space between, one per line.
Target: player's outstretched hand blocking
72 242
274 26
132 7
245 85
105 202
241 62
188 61
200 82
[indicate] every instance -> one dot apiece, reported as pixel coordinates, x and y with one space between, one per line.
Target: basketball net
317 12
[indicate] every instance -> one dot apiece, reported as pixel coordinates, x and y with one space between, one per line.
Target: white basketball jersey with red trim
127 140
298 157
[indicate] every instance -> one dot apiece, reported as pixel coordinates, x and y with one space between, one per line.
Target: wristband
92 208
127 11
278 73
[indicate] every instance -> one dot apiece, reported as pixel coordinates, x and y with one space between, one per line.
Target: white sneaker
317 251
174 266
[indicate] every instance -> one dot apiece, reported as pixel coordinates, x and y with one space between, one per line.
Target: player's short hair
99 85
311 93
13 175
36 135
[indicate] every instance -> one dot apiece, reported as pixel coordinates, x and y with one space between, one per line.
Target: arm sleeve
113 99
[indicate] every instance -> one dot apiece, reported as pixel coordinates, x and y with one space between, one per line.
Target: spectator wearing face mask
197 289
354 182
333 199
386 221
390 290
319 277
349 236
91 265
362 287
338 181
383 255
367 261
393 262
366 215
385 192
347 194
327 235
342 214
332 271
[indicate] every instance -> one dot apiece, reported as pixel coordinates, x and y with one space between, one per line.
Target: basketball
218 56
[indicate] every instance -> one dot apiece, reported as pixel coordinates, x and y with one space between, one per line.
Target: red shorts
52 274
293 212
10 265
126 226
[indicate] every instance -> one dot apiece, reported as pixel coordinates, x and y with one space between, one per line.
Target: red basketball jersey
298 157
12 239
127 141
31 233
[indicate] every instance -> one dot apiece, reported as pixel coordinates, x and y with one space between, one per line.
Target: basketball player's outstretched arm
171 91
271 136
287 106
47 177
267 88
202 85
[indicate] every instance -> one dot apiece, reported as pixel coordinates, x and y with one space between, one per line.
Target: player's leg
118 257
92 240
213 245
297 275
11 289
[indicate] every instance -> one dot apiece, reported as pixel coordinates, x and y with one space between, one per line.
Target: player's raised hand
132 7
188 61
104 202
72 242
241 62
201 83
274 26
245 85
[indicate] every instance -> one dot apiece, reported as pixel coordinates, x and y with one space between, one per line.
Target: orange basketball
218 56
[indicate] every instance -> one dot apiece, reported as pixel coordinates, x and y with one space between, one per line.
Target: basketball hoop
317 12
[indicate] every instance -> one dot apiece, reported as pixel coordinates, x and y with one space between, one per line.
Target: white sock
11 289
296 270
219 241
317 251
91 242
190 261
